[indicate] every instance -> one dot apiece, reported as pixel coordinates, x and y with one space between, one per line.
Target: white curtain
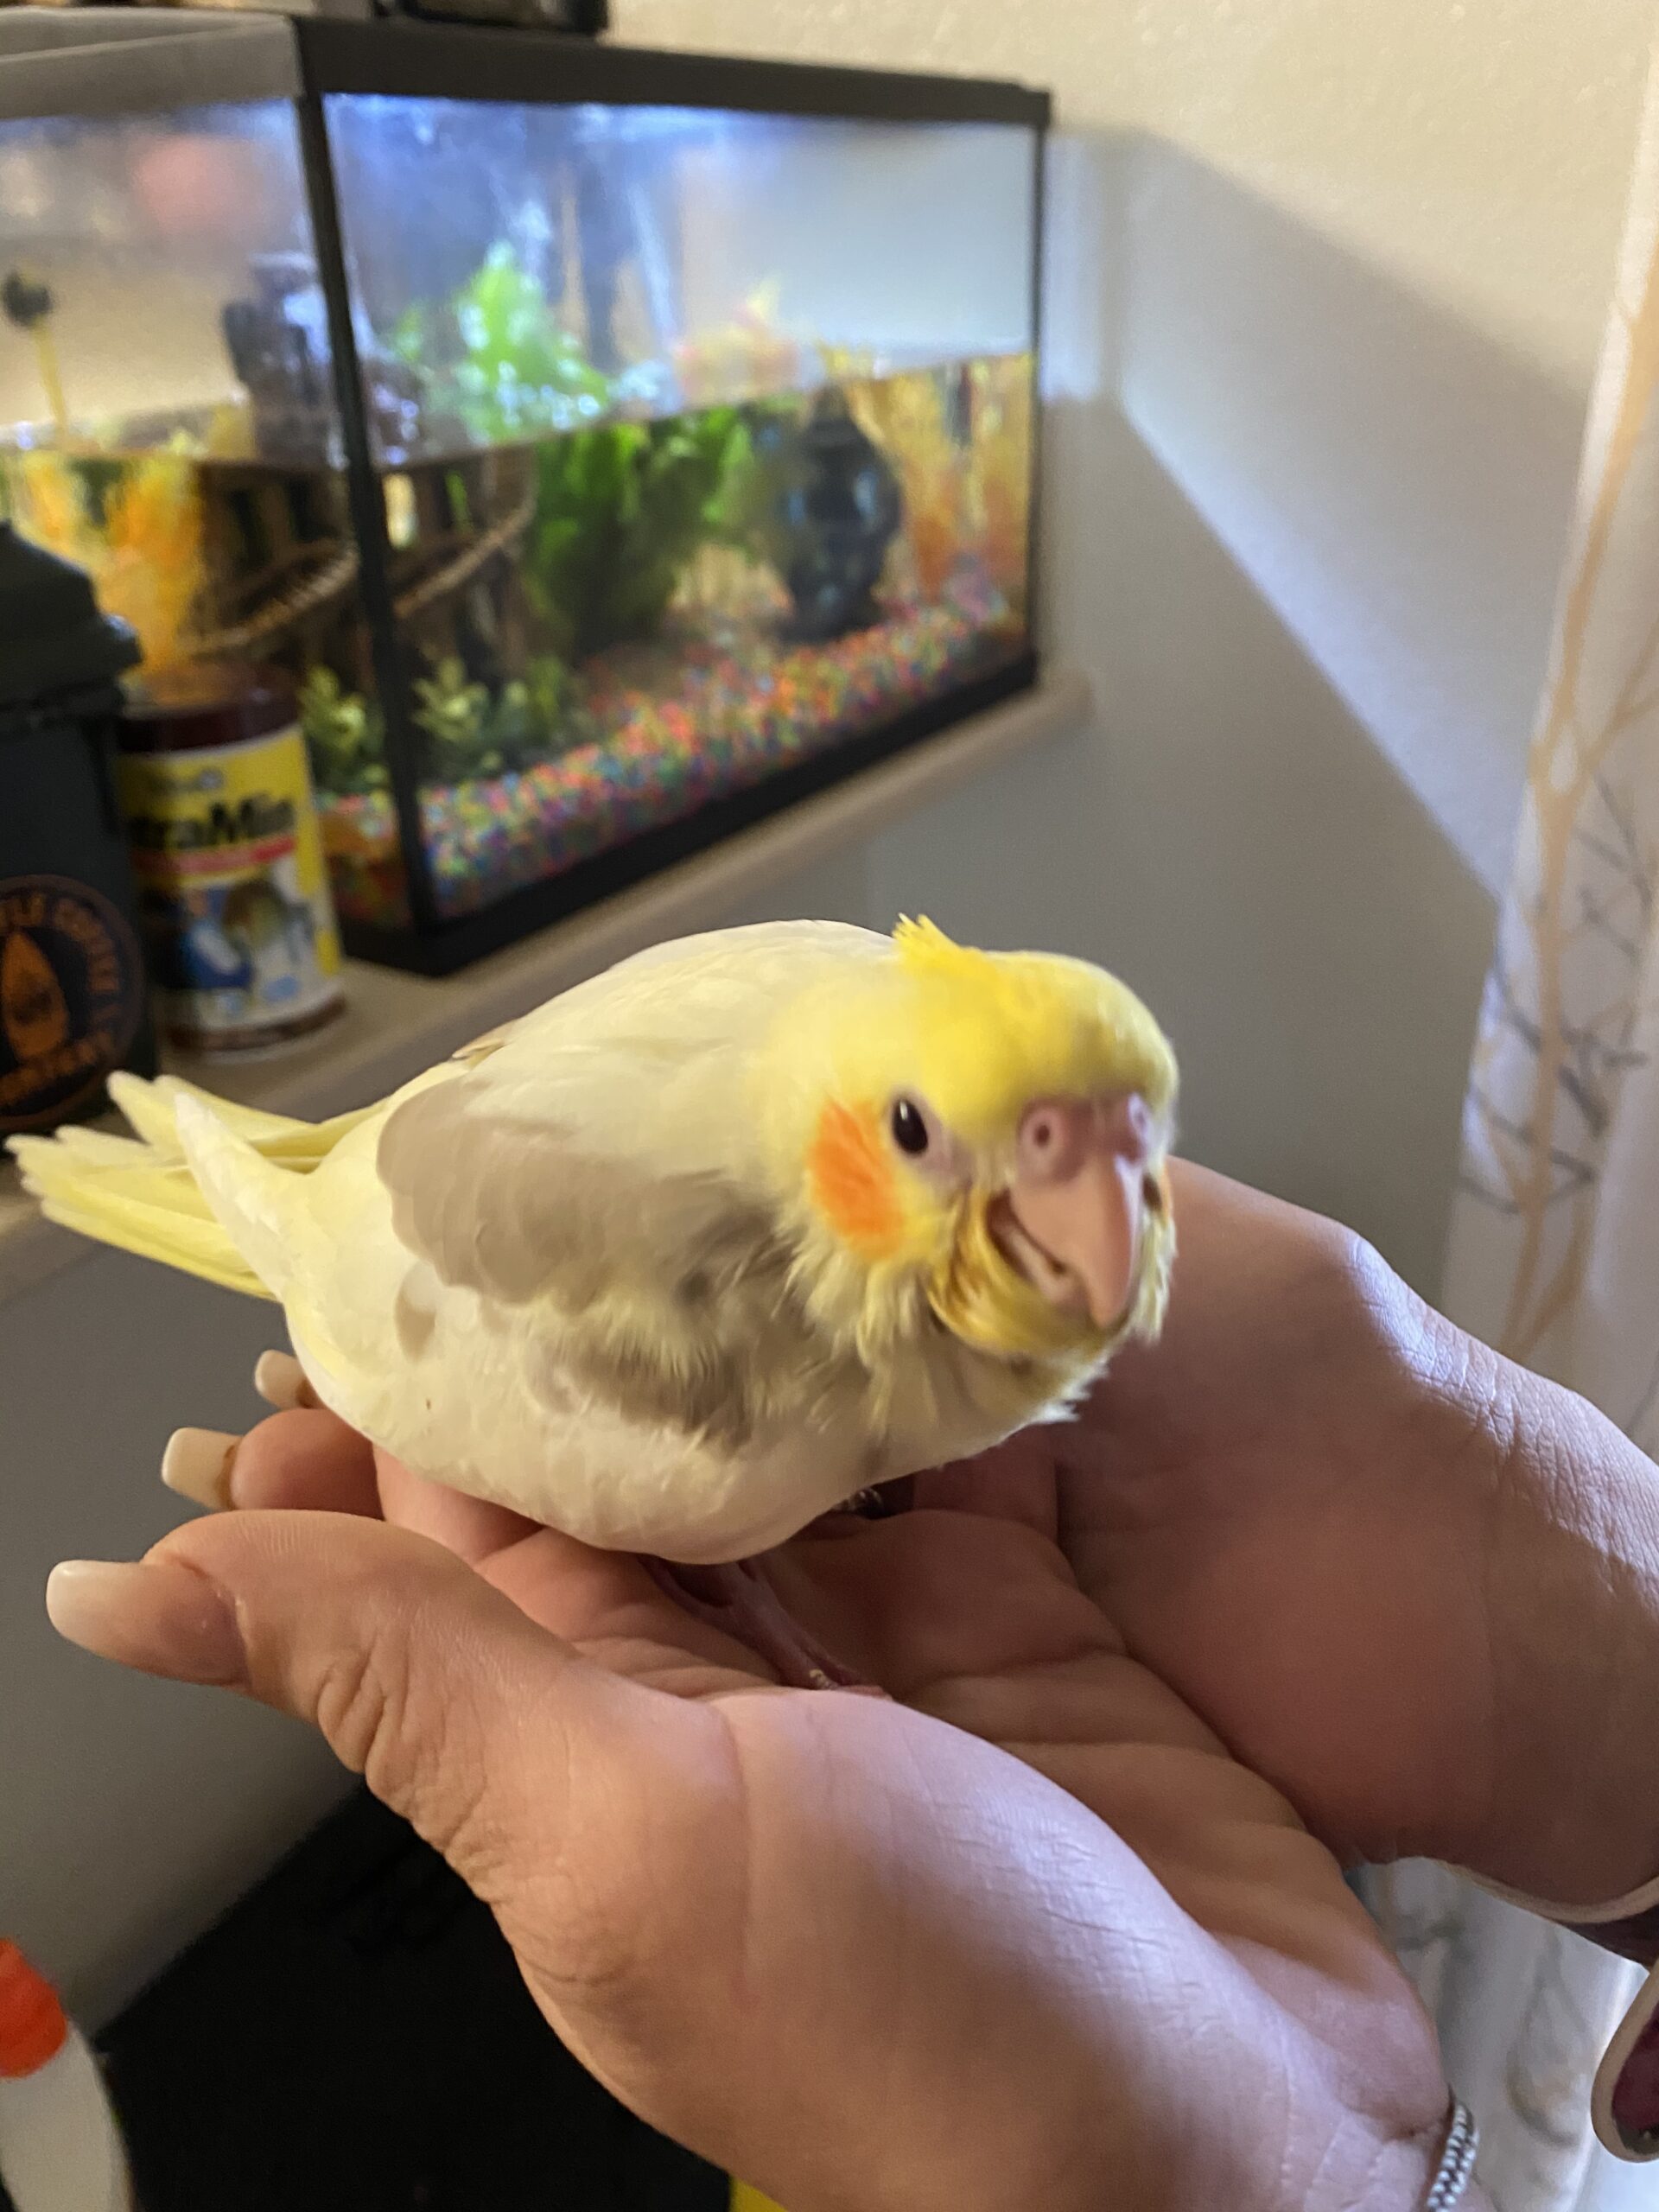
1554 1249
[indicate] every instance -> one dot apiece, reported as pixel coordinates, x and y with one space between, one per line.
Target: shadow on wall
1397 487
1304 531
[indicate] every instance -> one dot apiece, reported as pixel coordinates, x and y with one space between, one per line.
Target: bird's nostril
1042 1140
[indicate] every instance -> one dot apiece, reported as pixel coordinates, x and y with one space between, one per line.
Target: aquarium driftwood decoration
502 538
278 616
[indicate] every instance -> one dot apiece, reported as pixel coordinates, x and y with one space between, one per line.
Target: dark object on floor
354 2037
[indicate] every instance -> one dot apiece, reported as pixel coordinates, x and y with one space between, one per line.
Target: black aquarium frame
538 68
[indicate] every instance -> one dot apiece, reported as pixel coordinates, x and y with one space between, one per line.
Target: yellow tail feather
139 1194
149 1109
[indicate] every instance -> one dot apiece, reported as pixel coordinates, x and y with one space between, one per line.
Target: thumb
460 1712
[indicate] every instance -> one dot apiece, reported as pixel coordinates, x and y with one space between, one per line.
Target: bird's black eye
909 1128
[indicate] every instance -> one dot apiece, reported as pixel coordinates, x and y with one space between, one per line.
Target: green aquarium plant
620 511
538 714
497 356
344 734
453 714
471 735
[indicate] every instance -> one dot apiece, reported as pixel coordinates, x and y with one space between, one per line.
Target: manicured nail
197 1464
154 1614
280 1380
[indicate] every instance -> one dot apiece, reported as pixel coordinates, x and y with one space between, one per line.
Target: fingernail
280 1381
197 1464
153 1613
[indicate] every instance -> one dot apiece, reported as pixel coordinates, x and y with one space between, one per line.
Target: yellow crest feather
924 950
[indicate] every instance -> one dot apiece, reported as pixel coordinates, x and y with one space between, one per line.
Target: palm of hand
1179 1879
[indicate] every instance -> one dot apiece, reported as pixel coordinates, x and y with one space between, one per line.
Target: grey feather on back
490 1205
673 1293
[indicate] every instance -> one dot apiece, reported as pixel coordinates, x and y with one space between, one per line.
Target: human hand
1414 1587
865 1959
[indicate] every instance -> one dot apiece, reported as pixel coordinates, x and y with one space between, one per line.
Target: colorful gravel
689 720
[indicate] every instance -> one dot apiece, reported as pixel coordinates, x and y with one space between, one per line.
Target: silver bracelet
1457 2167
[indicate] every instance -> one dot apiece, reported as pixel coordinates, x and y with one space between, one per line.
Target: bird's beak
1072 1218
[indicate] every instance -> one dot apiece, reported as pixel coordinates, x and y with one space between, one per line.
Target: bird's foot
740 1602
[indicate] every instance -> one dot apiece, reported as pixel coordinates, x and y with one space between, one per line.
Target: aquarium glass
704 442
167 403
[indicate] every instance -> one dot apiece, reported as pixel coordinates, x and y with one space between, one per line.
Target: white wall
1328 282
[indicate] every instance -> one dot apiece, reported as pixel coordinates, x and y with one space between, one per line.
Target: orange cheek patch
852 1182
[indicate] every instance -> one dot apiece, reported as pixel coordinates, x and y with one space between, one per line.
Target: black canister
72 997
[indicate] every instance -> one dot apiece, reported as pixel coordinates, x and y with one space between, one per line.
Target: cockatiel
746 1226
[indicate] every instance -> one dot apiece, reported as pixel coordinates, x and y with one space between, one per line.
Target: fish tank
607 447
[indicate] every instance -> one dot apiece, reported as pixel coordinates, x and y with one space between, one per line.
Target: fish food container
72 995
610 447
227 852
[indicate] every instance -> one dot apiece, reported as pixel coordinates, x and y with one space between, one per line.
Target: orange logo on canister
32 1009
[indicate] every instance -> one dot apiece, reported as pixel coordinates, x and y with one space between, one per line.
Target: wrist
1350 2167
1564 1515
1432 2171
